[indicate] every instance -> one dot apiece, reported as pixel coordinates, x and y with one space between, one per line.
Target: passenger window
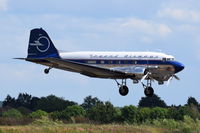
134 62
126 62
117 62
102 62
110 62
164 59
92 62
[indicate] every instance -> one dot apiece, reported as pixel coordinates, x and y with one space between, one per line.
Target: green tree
24 100
178 113
159 113
90 102
9 101
144 114
103 113
73 111
24 110
38 114
52 103
151 102
192 101
12 113
70 113
130 114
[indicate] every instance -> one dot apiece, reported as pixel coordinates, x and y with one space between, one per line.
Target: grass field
83 128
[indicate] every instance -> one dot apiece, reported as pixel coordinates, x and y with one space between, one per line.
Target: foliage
24 110
45 121
151 102
38 114
130 114
90 102
159 113
103 113
12 113
192 101
52 108
52 103
23 100
144 114
72 113
9 101
188 125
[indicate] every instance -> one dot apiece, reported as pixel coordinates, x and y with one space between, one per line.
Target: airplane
137 66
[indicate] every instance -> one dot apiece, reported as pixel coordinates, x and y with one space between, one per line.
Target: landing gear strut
123 89
148 90
46 71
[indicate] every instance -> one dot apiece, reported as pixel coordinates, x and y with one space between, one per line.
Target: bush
71 113
159 113
74 110
130 114
103 113
166 123
38 114
178 113
45 121
144 115
23 110
12 113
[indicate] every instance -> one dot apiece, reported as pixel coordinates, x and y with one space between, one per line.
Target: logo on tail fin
42 44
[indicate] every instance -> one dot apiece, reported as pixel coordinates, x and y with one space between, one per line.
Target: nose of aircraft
179 67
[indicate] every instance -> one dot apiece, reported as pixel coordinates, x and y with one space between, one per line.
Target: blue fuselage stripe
124 62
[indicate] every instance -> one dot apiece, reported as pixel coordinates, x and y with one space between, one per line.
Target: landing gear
123 89
148 90
46 71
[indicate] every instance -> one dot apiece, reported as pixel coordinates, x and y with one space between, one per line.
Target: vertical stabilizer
40 45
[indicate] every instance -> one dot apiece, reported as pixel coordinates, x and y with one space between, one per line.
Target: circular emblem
44 44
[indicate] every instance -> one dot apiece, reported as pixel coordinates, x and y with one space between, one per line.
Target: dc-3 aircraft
137 66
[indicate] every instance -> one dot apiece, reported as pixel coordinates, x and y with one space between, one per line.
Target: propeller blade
169 80
144 77
176 77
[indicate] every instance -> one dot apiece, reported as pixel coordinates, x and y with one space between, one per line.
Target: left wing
88 70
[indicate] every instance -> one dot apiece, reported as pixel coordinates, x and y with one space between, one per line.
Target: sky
171 26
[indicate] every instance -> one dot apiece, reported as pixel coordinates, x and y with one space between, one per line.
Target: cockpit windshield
168 59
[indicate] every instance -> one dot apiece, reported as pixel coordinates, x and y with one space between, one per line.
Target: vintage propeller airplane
137 66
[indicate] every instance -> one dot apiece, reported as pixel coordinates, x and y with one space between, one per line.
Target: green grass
81 128
45 125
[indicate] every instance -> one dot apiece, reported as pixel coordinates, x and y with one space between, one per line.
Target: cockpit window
170 59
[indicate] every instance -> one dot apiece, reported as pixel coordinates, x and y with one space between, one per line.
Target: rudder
40 45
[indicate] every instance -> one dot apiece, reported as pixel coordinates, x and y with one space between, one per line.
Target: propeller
170 79
176 77
144 77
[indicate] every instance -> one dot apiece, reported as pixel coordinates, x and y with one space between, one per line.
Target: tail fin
40 45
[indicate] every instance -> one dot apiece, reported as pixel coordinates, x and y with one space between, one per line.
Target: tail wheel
46 71
149 91
123 90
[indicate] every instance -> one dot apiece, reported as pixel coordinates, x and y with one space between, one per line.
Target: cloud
180 14
3 5
146 26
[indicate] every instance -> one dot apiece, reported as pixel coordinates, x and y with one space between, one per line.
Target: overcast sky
171 26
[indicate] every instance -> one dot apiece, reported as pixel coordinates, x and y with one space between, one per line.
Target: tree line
27 108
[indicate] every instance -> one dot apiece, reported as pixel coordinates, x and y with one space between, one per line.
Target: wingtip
20 58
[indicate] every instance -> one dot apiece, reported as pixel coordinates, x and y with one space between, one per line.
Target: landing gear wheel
149 91
123 90
46 71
